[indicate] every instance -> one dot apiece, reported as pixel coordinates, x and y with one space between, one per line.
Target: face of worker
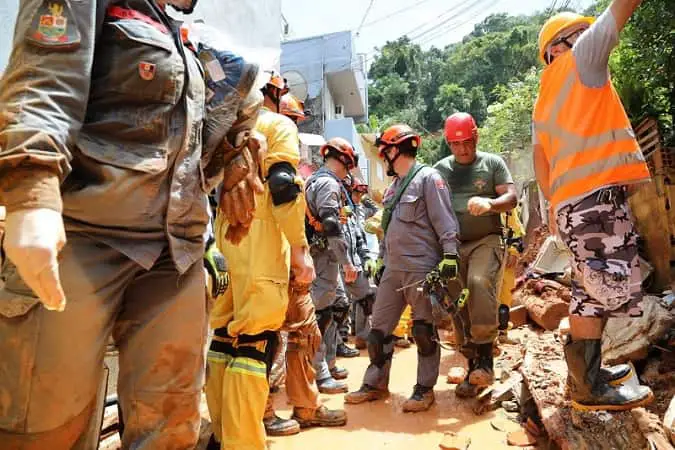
465 151
570 35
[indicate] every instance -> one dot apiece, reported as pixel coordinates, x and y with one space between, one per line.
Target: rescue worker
482 188
361 294
247 318
327 200
420 235
101 113
304 339
586 156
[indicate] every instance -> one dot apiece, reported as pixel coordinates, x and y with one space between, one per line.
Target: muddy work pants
50 363
392 298
480 261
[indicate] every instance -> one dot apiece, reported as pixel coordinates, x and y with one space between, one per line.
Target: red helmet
342 150
395 135
291 106
358 185
460 127
278 82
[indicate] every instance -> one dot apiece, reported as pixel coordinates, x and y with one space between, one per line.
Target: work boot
360 343
213 444
484 374
339 373
613 375
275 425
465 389
331 386
344 351
587 389
320 417
366 394
402 343
421 399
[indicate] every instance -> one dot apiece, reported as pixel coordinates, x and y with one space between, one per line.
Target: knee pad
340 313
324 318
367 303
424 335
376 348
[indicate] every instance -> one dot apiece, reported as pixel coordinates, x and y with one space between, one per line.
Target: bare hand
302 266
478 206
350 273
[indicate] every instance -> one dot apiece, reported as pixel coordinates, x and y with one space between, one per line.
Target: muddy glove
33 239
378 271
448 268
216 265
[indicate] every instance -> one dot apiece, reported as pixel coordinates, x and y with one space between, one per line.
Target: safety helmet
278 82
291 106
395 135
358 185
555 25
342 150
460 127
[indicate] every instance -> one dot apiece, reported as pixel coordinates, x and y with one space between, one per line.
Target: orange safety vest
585 133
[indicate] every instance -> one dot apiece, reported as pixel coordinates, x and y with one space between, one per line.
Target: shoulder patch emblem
440 183
147 70
54 27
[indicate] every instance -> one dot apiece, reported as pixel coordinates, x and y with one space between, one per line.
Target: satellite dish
297 84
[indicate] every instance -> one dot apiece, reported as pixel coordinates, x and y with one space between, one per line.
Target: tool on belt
448 297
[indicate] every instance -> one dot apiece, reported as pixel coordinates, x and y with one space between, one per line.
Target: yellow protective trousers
404 327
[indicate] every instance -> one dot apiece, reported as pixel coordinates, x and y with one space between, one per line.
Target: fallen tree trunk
545 374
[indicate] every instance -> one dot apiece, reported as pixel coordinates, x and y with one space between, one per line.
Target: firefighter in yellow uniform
247 317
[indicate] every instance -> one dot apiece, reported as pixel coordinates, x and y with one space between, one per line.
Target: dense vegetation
493 74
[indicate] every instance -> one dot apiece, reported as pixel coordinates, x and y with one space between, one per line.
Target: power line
365 16
394 13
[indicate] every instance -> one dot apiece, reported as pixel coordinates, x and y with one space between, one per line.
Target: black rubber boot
588 390
614 375
484 374
465 389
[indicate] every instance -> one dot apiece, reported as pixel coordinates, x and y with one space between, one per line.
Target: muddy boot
275 425
360 343
339 373
365 394
587 389
331 386
465 389
484 374
320 417
613 375
421 399
344 351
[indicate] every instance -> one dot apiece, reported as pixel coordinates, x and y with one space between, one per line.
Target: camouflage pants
600 233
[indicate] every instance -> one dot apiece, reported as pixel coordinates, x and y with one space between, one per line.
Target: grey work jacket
423 224
119 117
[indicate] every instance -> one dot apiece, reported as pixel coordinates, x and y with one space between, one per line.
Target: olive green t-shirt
478 179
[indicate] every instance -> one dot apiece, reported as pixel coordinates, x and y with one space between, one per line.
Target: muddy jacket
423 225
103 97
326 196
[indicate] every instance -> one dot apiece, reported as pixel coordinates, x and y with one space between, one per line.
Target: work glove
448 268
33 239
350 273
370 268
378 271
216 265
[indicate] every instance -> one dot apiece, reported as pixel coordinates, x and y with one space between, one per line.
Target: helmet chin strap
390 163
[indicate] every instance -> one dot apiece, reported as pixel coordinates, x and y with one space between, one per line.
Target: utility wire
394 13
365 16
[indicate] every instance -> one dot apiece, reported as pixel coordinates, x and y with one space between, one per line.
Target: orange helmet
342 150
554 26
460 127
278 82
358 185
292 107
395 135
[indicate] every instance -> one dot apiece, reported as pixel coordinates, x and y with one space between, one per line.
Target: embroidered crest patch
147 70
54 27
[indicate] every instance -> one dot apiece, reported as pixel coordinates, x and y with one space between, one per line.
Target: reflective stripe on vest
605 146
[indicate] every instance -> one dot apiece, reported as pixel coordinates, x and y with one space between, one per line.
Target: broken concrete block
518 316
669 421
454 441
628 339
456 375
